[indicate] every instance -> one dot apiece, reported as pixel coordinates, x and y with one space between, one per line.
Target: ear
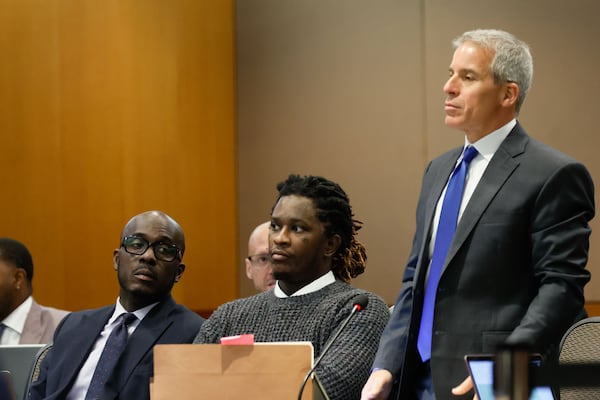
510 94
20 278
248 268
116 259
332 245
180 269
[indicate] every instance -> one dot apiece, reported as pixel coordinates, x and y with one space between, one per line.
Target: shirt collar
140 313
314 286
16 319
487 145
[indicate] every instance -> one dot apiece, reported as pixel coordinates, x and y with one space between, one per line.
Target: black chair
7 390
581 345
35 369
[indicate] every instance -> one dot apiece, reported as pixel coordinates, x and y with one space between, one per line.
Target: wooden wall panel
111 108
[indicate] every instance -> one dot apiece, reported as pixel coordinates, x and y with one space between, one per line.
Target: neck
132 302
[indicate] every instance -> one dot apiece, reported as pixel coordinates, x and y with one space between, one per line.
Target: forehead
295 208
258 244
151 226
472 57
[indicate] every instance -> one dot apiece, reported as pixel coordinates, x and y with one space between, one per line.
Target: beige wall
352 90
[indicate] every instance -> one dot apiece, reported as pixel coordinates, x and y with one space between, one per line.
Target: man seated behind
23 320
148 264
314 254
258 262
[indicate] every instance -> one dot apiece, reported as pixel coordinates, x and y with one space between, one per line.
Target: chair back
34 373
581 345
17 360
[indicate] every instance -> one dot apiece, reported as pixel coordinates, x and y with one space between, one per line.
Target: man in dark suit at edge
148 264
513 270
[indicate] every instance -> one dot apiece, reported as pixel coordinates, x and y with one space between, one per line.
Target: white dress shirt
82 382
15 322
486 148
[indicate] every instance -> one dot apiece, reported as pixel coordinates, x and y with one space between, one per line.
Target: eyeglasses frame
178 256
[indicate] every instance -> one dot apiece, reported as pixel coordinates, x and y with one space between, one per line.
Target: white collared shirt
14 322
314 286
486 148
82 382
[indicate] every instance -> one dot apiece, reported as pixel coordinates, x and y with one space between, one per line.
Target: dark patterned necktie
110 355
445 233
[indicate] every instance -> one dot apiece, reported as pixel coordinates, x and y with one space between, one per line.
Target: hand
379 385
464 387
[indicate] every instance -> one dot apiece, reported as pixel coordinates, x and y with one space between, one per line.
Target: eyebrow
464 71
289 220
160 239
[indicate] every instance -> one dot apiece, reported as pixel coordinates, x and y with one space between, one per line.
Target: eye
166 249
274 227
297 229
135 242
263 259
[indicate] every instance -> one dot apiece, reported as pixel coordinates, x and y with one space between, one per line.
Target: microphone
360 303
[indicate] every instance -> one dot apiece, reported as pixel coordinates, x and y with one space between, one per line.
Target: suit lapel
32 329
497 172
440 177
144 338
81 345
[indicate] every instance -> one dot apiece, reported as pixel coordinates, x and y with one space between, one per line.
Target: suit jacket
40 324
167 322
515 270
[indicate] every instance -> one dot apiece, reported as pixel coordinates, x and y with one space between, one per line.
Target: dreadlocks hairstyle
333 209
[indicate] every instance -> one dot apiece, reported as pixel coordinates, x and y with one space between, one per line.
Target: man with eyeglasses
83 362
258 262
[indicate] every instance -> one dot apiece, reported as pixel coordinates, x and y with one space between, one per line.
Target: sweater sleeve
211 330
345 368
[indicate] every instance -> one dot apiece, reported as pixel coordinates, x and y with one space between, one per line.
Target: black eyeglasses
260 260
138 245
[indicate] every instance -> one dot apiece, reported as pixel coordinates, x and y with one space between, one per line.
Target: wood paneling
593 308
108 109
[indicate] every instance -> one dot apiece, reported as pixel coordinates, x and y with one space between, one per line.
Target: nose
451 85
280 236
149 254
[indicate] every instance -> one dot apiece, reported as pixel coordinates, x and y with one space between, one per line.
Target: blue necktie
110 355
445 233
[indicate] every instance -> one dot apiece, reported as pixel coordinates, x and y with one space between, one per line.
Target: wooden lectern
262 371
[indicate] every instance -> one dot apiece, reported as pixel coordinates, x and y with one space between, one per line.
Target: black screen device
481 369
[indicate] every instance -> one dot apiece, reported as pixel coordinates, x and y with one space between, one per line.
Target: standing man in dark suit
148 264
513 270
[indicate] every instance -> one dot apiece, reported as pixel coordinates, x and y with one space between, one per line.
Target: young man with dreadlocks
314 255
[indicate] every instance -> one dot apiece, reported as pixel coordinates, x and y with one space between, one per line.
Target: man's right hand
379 385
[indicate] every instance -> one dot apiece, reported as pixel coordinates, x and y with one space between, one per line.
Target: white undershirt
486 148
82 382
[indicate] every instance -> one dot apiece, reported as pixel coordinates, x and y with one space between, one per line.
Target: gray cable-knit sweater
312 317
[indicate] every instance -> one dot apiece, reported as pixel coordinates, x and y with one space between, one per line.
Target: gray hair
512 59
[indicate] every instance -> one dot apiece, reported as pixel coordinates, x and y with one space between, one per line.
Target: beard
282 275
